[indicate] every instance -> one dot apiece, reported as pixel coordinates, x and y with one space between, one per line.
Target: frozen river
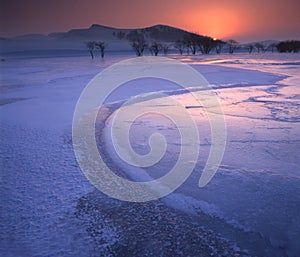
251 207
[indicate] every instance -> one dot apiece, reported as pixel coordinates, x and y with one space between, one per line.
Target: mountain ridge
116 39
94 28
74 39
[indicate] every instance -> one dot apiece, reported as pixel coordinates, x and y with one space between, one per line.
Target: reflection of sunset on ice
260 162
154 160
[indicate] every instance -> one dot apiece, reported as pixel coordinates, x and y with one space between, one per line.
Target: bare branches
232 45
155 48
206 44
219 45
138 43
250 48
191 42
180 46
101 46
165 48
261 47
90 45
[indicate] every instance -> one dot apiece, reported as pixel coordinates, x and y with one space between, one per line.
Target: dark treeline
191 43
155 41
291 46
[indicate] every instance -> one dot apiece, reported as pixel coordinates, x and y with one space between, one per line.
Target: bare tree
165 48
233 45
91 45
219 45
191 42
206 44
155 48
261 47
138 43
258 47
250 48
101 46
272 46
180 46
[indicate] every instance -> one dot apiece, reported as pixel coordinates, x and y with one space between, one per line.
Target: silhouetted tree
101 46
250 48
155 48
179 45
206 44
219 45
272 47
260 47
289 46
191 42
232 45
138 43
165 48
91 45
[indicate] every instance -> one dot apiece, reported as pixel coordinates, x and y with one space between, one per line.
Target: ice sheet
254 199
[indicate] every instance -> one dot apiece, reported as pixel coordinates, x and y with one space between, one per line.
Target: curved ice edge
181 202
178 201
192 206
114 105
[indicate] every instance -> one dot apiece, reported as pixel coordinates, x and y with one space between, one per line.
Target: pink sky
237 19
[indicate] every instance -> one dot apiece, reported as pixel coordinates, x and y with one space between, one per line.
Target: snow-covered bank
48 208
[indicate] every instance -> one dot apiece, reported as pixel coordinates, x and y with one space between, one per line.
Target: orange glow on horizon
218 23
230 19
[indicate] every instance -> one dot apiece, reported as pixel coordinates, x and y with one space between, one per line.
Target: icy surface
251 207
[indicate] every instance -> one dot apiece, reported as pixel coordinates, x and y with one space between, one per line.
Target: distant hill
73 40
96 32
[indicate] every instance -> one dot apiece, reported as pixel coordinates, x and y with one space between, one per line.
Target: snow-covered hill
73 41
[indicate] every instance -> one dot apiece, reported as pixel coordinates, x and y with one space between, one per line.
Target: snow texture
250 208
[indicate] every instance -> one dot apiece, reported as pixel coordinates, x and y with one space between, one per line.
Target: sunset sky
237 19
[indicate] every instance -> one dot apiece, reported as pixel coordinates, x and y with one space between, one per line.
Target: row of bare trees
98 45
139 45
193 43
156 47
260 47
